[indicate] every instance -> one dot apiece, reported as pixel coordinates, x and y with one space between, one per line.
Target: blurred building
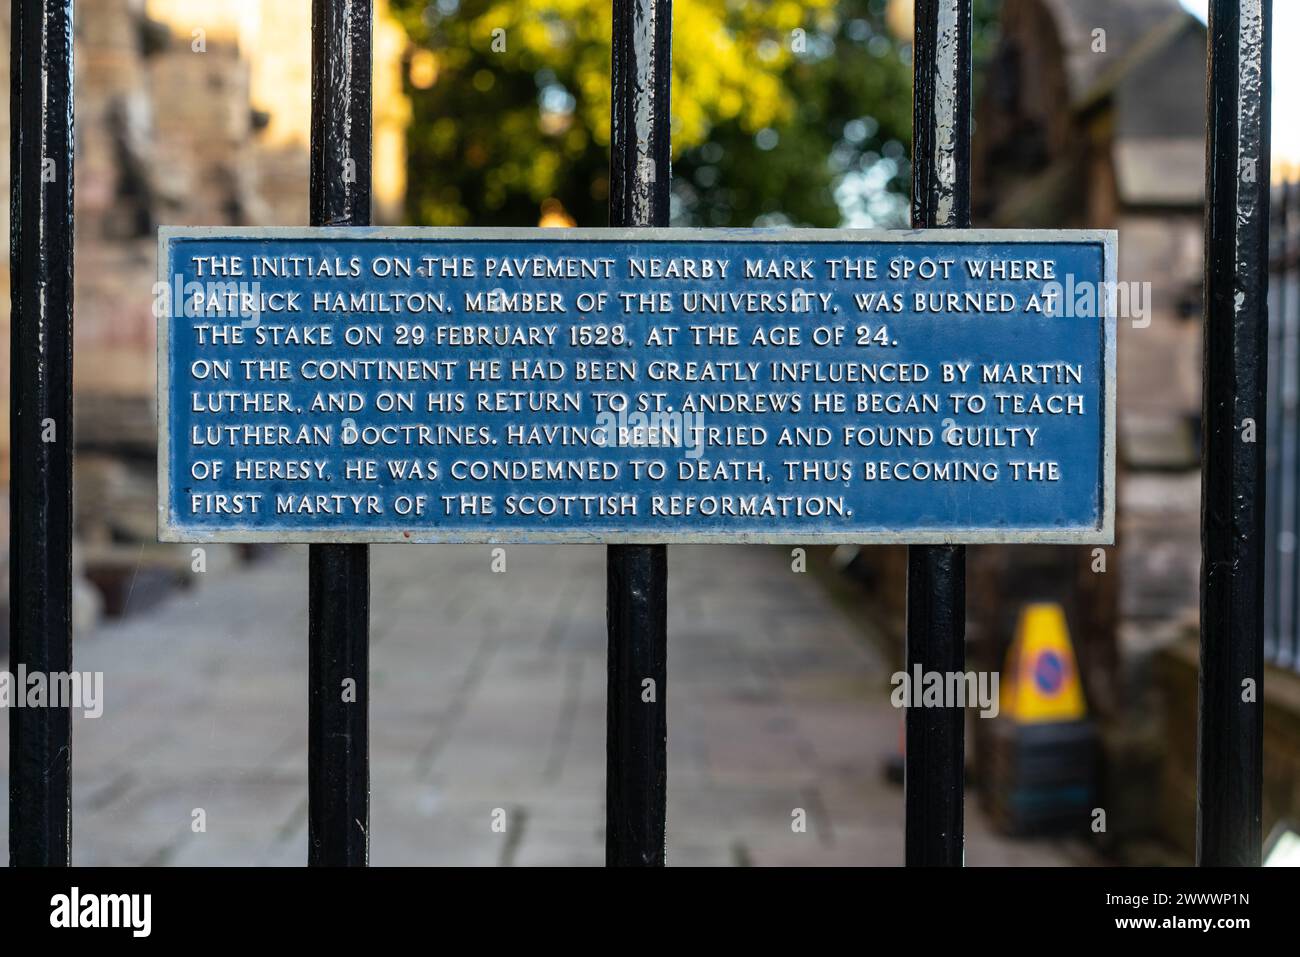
1092 115
187 112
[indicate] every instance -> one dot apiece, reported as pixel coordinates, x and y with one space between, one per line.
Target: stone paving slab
488 698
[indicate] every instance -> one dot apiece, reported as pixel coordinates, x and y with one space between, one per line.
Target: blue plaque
649 385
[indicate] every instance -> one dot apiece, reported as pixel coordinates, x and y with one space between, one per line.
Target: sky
1286 76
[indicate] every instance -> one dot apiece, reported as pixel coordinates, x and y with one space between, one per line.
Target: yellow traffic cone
1040 682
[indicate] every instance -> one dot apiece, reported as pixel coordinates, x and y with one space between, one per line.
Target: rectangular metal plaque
648 385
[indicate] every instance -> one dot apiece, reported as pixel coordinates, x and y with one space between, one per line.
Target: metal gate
1233 459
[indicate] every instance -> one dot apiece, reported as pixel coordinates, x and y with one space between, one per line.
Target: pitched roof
1134 30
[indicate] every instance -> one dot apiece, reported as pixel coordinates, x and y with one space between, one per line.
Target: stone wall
188 112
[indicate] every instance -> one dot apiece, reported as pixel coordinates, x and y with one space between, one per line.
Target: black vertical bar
936 574
339 575
1229 779
636 734
40 542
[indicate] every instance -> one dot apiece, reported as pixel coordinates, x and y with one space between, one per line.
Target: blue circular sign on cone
1049 672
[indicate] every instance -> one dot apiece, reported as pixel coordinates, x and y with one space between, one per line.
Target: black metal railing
1231 726
636 730
933 777
40 422
1236 352
338 606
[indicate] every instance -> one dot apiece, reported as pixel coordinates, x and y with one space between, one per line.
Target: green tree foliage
782 112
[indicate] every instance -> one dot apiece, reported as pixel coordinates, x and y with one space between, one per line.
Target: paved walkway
488 691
